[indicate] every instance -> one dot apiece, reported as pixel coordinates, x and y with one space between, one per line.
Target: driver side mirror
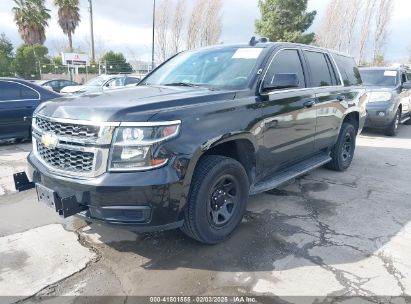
406 86
282 81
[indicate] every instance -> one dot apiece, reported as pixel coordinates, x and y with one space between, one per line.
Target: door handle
309 104
341 98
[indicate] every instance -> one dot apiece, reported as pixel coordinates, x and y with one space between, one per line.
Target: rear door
333 94
17 104
289 113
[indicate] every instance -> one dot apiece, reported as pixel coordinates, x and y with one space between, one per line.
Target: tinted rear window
349 70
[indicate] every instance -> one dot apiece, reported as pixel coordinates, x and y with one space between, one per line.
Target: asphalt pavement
325 234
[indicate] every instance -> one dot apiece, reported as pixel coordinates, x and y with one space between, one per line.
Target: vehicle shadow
403 133
343 211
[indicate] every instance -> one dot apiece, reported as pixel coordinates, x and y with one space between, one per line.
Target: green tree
285 20
116 63
69 17
29 60
6 56
379 60
31 17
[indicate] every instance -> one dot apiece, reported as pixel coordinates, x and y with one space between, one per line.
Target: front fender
212 143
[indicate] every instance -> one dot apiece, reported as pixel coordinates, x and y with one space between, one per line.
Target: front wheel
392 129
342 153
217 200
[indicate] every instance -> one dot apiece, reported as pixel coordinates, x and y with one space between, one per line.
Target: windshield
96 82
228 68
380 78
40 82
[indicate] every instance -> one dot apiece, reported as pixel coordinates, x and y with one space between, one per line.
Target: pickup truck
206 129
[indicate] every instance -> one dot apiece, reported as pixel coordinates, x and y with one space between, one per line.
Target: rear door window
286 62
321 76
27 93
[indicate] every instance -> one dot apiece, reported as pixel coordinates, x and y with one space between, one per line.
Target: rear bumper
139 201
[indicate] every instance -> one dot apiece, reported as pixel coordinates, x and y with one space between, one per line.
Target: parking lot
325 234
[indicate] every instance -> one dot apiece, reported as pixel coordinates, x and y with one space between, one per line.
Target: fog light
381 114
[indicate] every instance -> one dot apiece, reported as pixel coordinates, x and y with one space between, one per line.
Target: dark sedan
18 100
56 84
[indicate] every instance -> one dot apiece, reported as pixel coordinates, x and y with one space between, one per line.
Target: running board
292 172
405 119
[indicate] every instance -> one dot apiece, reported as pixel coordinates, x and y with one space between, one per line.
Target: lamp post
91 30
154 24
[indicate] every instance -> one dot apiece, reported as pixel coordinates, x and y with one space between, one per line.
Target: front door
289 112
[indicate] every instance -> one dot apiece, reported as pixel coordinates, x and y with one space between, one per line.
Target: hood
130 104
75 89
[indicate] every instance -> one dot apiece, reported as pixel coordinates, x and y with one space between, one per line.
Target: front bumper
380 115
139 201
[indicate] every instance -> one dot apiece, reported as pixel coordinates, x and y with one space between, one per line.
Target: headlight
134 147
379 96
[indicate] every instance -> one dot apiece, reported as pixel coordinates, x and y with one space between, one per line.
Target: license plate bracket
48 197
65 207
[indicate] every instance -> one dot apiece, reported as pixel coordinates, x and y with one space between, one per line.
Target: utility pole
154 25
93 55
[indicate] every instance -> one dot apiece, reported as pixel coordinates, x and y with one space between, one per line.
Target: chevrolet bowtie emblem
49 140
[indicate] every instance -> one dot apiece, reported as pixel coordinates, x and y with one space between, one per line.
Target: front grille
65 159
67 129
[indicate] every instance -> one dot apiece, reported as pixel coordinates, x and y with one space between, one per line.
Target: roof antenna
253 41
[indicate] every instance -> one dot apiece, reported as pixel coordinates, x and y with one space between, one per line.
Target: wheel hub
219 198
223 201
347 147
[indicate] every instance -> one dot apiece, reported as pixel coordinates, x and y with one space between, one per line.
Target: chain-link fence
82 74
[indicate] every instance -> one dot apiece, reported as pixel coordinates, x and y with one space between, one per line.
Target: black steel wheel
217 200
342 153
223 201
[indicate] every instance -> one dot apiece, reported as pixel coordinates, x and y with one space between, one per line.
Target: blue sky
126 26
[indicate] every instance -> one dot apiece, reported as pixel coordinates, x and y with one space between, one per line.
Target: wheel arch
241 147
352 117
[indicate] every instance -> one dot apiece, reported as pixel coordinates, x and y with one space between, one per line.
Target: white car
101 83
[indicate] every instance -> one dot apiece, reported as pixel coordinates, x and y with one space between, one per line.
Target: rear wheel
392 129
342 153
217 200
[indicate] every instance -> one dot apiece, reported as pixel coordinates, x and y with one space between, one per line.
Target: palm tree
31 17
69 17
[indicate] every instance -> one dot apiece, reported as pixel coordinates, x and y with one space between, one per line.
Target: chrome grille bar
81 150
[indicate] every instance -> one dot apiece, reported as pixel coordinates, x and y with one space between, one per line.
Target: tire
342 153
392 129
217 200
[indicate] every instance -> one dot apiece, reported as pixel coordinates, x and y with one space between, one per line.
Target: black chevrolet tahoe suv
206 129
389 97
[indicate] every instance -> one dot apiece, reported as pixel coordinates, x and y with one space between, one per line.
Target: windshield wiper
182 84
191 85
